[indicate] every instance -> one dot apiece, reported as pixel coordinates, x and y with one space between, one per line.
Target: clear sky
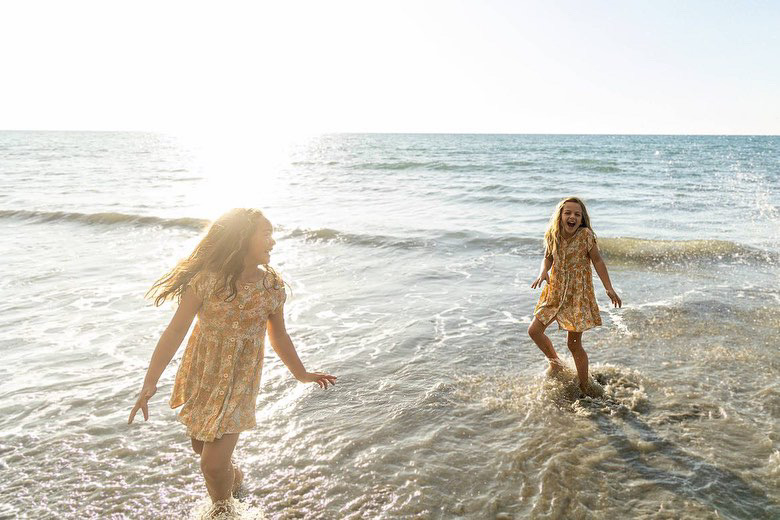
602 66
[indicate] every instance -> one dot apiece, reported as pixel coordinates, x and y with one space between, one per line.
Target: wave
660 251
506 199
622 249
442 165
414 165
366 240
108 218
597 165
431 239
625 250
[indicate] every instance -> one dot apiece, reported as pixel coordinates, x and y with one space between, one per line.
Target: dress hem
216 437
561 327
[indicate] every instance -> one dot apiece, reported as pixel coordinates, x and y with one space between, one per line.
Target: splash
229 509
644 251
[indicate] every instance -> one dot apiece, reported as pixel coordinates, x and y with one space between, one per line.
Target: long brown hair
221 251
552 237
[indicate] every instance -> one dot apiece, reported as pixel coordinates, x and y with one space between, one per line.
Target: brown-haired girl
219 376
568 297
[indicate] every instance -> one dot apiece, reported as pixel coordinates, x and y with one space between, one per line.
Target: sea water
410 259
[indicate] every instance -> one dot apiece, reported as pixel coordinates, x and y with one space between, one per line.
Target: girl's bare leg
536 331
217 467
574 342
238 475
197 446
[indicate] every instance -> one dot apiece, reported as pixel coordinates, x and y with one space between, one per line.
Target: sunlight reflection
240 168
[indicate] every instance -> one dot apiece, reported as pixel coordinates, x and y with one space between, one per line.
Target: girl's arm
167 346
547 262
284 348
601 270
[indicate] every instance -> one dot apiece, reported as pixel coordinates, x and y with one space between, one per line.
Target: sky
482 66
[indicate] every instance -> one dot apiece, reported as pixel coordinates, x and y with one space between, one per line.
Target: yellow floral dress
568 297
219 376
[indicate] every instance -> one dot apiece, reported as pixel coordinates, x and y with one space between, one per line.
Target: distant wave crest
108 218
622 250
414 165
366 240
657 251
432 238
626 250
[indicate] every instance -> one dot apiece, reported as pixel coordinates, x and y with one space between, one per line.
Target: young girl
568 298
219 375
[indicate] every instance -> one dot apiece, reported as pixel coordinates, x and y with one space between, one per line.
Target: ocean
410 259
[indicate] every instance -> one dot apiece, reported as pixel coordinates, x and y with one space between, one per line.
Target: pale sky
604 66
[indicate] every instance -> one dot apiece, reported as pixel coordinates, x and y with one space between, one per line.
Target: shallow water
410 260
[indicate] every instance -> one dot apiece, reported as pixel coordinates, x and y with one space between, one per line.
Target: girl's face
571 218
260 244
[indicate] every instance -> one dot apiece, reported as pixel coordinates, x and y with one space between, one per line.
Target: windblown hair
553 236
221 251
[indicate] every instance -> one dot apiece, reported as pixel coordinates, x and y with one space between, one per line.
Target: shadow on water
699 480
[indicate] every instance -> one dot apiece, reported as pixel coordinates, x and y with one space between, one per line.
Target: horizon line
595 134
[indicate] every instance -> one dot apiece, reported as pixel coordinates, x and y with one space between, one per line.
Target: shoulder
273 282
587 234
205 277
271 277
203 283
588 237
274 287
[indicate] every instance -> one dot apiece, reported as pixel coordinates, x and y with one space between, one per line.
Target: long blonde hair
552 237
222 251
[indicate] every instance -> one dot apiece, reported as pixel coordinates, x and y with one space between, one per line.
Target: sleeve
202 284
590 240
281 294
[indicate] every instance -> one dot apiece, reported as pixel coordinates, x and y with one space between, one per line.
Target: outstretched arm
167 346
601 270
284 348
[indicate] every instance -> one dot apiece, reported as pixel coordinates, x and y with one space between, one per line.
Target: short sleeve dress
219 375
569 297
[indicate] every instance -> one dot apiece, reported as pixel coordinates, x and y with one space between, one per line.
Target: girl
568 298
219 375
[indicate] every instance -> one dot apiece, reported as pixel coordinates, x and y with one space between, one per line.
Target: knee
575 345
534 330
212 467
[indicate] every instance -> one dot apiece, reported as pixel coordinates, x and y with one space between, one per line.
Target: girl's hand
614 297
142 403
542 278
318 377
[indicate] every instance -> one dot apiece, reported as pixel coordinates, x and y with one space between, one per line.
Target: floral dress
219 376
568 297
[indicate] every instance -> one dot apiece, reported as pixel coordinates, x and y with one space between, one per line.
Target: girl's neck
567 236
250 273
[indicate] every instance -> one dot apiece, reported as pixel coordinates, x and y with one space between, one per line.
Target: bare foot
221 508
592 389
555 368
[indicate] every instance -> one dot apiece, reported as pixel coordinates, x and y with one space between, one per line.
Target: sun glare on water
239 168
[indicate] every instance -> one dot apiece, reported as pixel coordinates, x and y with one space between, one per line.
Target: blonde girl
568 297
219 376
